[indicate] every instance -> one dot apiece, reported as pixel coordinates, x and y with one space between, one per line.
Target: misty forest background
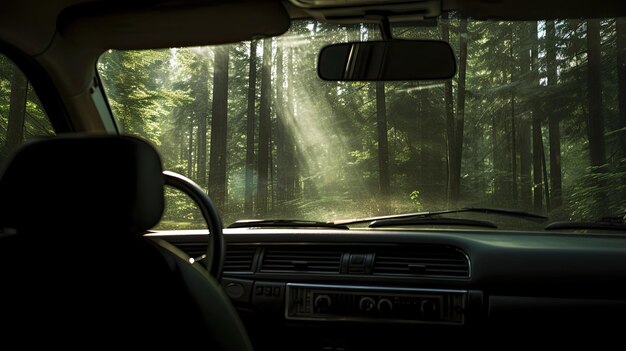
535 119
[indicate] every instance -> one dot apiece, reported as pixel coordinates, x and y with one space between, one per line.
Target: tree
525 53
264 129
453 177
553 119
537 137
457 151
219 123
383 143
621 90
200 90
250 121
595 121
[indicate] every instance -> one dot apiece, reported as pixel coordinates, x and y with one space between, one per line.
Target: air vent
428 260
314 259
239 258
193 250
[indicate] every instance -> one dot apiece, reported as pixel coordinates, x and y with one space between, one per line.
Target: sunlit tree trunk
524 122
219 127
292 151
448 99
264 129
595 121
553 118
202 111
513 135
537 138
501 149
280 140
621 92
457 151
383 143
190 150
250 122
17 110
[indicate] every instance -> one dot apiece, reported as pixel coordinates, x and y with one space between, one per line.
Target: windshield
534 120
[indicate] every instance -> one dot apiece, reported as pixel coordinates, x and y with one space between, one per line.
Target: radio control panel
374 304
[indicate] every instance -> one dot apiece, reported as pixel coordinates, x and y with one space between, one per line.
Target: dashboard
325 289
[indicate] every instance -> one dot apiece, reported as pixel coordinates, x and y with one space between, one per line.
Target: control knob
430 308
322 303
367 304
385 306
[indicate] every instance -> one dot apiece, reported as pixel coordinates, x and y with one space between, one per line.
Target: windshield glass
534 120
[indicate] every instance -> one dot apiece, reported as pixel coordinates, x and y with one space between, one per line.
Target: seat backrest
74 265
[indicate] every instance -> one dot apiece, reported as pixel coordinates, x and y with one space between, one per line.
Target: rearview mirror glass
387 60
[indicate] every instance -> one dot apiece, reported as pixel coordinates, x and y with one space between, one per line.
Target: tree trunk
219 128
621 77
190 150
383 143
251 112
595 121
537 137
17 110
202 112
280 140
448 99
292 151
524 122
457 154
553 118
545 178
513 135
537 163
264 129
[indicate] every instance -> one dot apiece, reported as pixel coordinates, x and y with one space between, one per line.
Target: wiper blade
292 223
421 220
499 211
609 224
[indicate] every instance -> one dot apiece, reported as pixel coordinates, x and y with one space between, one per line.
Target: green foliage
415 198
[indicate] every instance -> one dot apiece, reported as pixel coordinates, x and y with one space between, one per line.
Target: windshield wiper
292 223
429 220
603 224
488 210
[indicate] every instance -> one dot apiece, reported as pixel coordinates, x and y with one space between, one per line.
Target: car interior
284 174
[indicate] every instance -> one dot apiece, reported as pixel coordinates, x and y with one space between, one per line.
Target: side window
21 114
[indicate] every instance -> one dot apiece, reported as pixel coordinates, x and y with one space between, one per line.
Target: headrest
96 183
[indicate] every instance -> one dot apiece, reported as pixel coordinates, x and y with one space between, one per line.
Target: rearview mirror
387 60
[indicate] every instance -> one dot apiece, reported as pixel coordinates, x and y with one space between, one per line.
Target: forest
535 119
21 114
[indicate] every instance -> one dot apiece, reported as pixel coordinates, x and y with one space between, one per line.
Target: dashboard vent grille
427 260
301 259
239 258
193 250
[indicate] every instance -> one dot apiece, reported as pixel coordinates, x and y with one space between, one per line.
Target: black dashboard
324 289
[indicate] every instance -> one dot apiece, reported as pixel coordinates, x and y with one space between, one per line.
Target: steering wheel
216 248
